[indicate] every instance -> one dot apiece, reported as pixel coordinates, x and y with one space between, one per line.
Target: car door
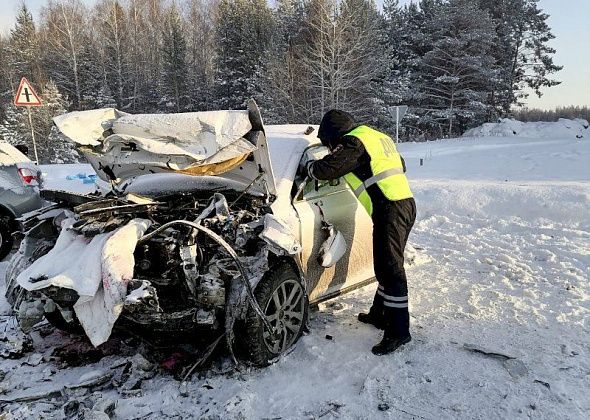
335 202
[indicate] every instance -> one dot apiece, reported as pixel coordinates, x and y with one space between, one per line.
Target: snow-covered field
500 263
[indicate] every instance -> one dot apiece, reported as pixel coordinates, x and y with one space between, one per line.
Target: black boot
371 318
389 344
375 316
397 330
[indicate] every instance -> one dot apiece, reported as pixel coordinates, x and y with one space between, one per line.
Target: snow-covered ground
501 263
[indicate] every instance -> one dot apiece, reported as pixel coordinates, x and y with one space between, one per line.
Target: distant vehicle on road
19 192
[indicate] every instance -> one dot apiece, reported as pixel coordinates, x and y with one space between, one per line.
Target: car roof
10 155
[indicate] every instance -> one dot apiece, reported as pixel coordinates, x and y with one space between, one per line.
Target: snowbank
507 127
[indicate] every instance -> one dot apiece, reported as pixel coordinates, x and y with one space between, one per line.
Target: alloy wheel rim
284 312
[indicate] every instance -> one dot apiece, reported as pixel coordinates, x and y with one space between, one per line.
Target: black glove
305 169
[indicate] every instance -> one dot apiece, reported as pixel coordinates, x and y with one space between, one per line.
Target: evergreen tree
522 51
201 52
455 75
5 78
51 145
23 49
93 79
283 81
14 127
390 81
174 76
244 34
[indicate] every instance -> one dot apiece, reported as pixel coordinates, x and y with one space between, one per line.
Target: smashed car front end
196 253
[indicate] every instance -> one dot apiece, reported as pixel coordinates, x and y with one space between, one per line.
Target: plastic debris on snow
98 269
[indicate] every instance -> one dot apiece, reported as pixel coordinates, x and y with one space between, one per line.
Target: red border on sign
24 81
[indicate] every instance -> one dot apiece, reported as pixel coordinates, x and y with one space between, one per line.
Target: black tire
6 239
280 284
56 319
17 264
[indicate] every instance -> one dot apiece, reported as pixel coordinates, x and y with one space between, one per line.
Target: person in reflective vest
375 171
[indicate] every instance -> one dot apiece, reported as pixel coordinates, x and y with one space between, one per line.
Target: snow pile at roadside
507 127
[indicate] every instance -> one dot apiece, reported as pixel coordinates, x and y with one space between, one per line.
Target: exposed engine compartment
184 279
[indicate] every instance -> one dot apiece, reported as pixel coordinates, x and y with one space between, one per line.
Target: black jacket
349 156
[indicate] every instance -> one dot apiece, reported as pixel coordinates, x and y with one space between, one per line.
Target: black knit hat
334 125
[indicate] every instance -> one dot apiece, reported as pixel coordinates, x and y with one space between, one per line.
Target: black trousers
392 223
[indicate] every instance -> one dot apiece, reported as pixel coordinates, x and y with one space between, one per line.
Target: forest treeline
569 112
455 63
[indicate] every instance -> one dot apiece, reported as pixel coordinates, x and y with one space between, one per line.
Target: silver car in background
19 192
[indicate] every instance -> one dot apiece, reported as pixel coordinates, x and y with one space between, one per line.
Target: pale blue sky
569 19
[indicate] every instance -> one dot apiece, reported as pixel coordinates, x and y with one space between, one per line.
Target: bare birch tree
64 34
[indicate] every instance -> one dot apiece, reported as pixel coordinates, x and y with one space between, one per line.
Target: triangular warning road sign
26 95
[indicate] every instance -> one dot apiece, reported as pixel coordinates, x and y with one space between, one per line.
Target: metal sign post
33 135
26 96
397 124
399 113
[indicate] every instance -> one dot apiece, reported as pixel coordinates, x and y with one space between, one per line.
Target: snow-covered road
500 260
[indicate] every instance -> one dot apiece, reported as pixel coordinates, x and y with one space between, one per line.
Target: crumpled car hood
121 146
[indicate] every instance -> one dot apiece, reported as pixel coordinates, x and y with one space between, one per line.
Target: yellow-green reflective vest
386 167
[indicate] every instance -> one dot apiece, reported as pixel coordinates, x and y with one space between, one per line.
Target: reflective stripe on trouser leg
392 301
391 228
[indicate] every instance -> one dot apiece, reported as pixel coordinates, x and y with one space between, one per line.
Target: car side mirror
333 248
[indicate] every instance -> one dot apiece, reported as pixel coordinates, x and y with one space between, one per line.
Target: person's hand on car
304 168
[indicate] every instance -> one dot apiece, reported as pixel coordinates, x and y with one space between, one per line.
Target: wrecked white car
207 232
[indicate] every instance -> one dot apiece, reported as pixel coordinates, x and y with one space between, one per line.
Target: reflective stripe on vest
386 167
377 178
363 196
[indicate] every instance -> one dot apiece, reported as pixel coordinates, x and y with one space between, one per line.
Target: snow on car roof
9 155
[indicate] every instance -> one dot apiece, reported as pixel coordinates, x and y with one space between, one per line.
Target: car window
315 152
312 188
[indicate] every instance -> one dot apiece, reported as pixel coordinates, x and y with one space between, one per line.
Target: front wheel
283 298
